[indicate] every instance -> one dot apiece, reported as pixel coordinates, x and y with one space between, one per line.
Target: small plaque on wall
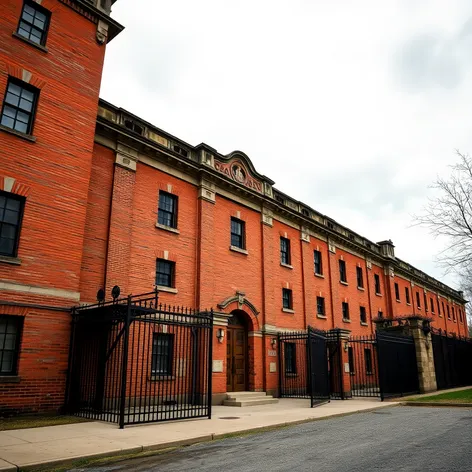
217 366
272 367
272 353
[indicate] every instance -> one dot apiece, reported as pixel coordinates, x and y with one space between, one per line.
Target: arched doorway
237 362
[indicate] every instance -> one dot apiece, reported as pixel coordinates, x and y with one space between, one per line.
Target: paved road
391 439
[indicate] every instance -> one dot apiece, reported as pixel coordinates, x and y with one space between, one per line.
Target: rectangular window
10 331
320 306
448 313
351 360
345 307
460 315
431 302
360 277
162 354
285 251
318 263
439 307
377 284
34 22
287 298
418 301
167 212
363 314
397 292
368 360
165 271
11 214
290 358
425 302
342 271
19 106
238 238
454 314
407 295
443 309
380 314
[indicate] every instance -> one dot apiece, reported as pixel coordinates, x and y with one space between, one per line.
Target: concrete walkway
27 448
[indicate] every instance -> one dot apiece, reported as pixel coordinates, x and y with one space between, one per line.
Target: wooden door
236 359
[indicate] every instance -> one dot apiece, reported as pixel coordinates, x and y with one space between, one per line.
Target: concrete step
244 395
255 401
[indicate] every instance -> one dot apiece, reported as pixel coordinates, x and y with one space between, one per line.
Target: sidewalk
27 448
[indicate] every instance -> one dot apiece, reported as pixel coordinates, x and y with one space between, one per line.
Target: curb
70 461
437 404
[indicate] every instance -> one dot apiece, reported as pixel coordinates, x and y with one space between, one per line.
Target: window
460 315
443 309
439 308
10 331
238 233
454 314
287 298
425 302
162 354
448 313
377 284
397 292
342 271
360 277
380 314
431 302
19 106
290 358
351 360
318 263
34 22
165 273
418 301
345 311
11 213
407 295
167 212
320 306
285 251
368 360
363 315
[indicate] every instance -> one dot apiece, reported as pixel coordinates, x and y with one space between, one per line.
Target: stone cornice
199 162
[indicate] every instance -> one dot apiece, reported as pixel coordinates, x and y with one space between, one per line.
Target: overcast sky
352 106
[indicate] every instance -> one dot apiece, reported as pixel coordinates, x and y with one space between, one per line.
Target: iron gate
452 360
382 365
303 366
134 360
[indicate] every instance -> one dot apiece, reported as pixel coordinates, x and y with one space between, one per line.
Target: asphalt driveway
390 439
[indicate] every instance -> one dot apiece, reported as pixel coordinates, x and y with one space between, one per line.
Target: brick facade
91 175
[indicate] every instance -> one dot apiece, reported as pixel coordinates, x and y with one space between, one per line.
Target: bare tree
450 215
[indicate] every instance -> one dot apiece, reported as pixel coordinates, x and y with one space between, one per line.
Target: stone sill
27 137
321 317
288 310
399 301
378 294
290 375
10 260
288 266
343 283
238 249
321 276
10 379
167 228
28 41
408 304
163 288
364 324
161 377
346 320
362 289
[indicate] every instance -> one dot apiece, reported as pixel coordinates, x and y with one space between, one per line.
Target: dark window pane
12 99
237 233
34 22
10 218
162 354
165 273
9 345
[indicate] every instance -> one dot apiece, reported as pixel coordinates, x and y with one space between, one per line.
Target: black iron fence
134 360
364 366
303 365
452 360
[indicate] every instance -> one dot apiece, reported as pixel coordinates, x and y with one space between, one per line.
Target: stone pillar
424 354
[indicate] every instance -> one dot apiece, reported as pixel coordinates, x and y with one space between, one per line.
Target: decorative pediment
239 168
241 300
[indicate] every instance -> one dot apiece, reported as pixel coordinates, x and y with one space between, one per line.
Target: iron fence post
210 364
280 363
379 368
310 370
67 405
124 365
341 370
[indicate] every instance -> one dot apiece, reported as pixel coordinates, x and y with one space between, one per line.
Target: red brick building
92 197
